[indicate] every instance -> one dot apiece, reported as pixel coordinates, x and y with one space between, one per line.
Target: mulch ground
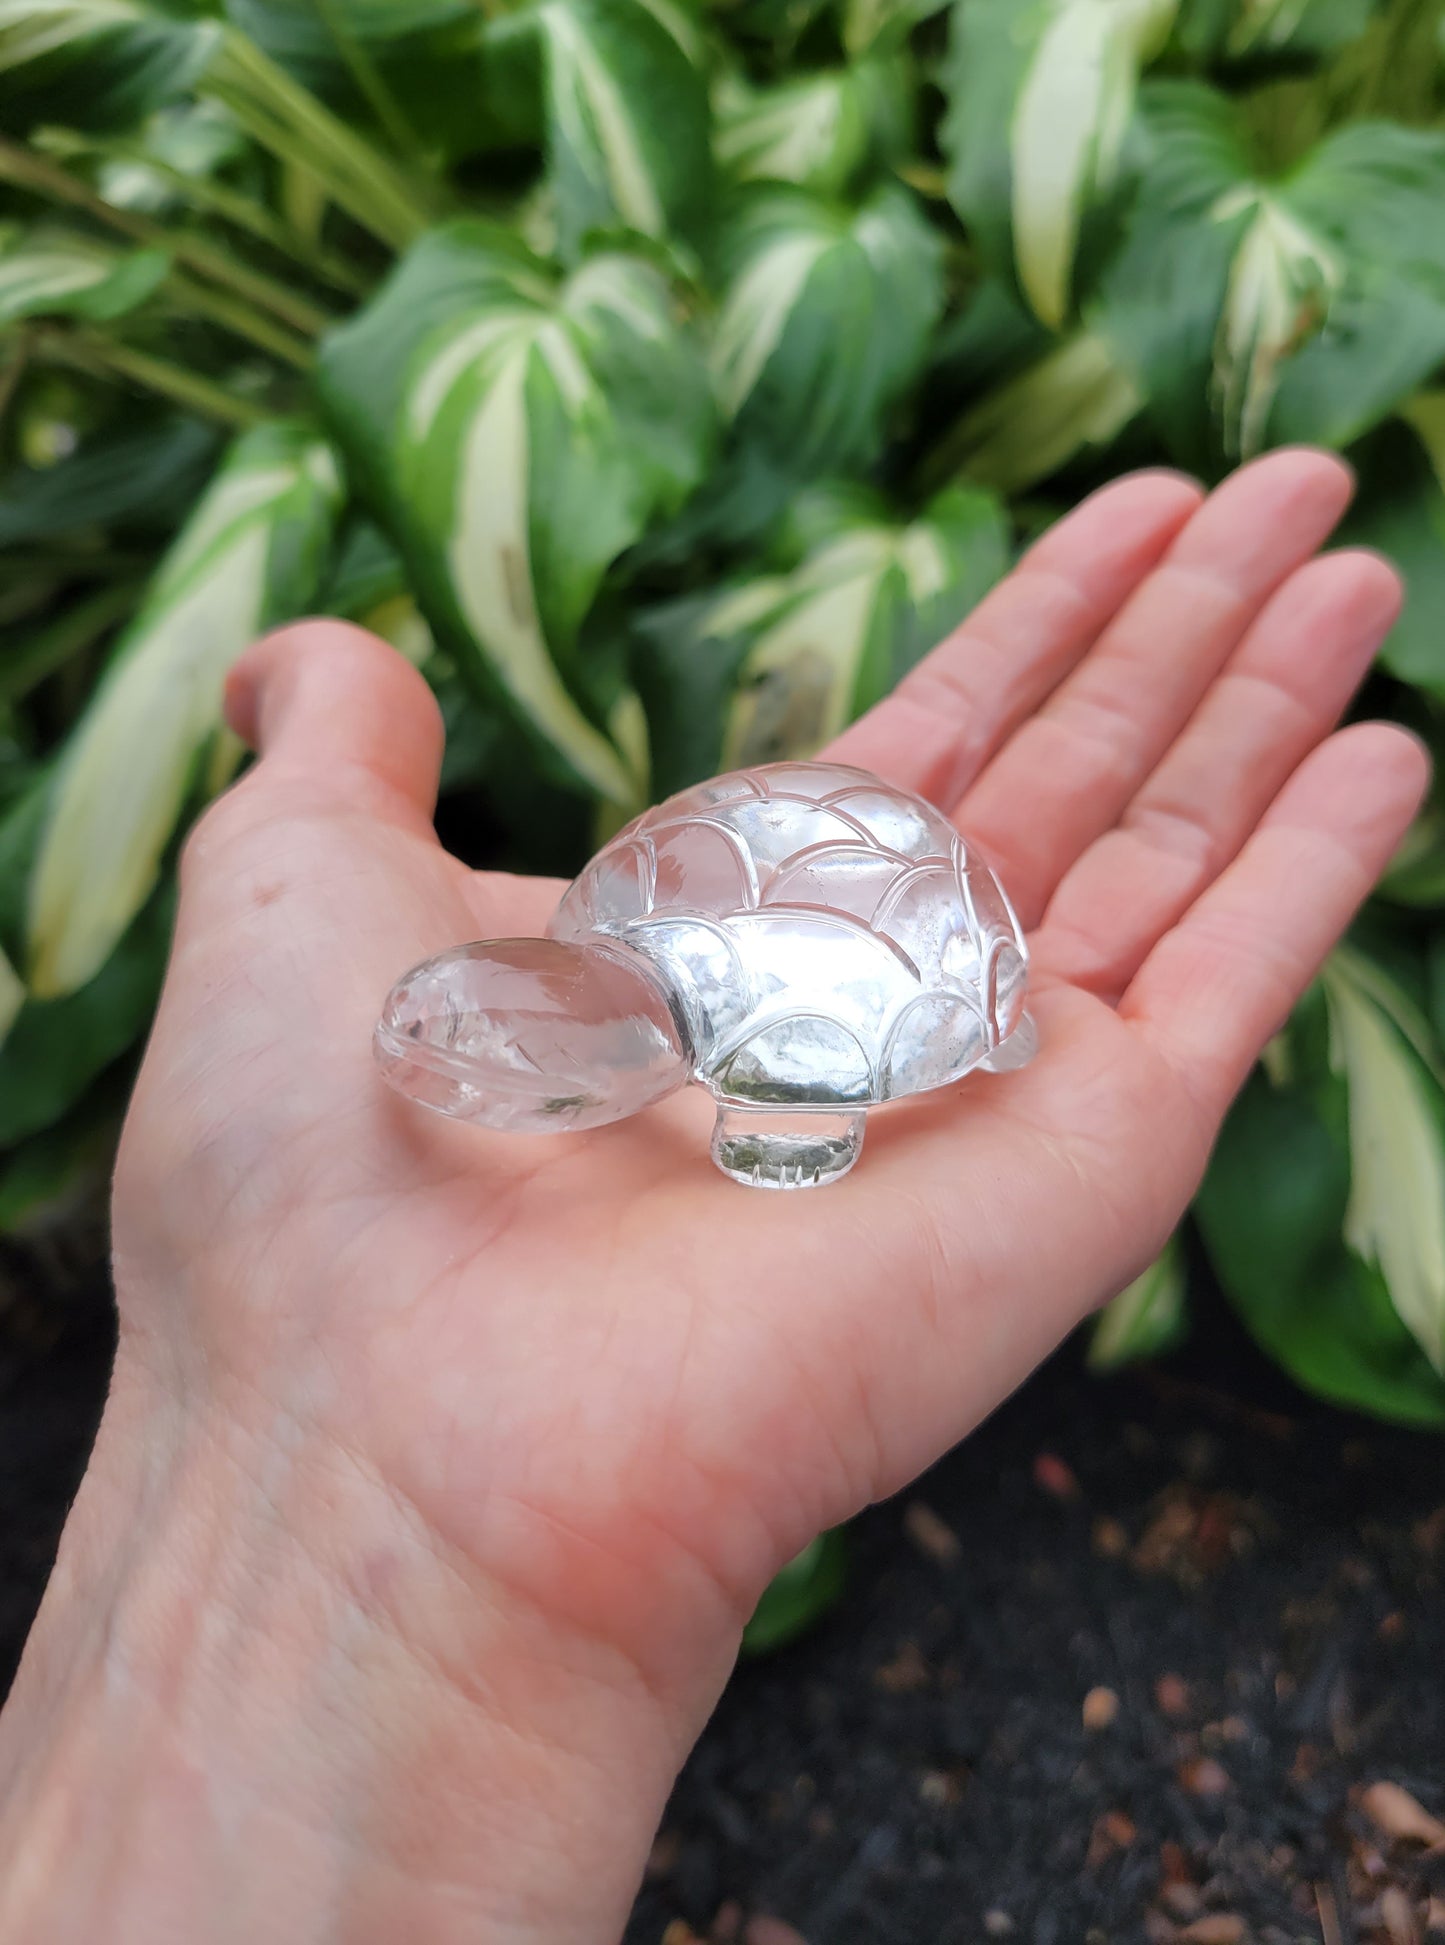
1154 1658
1157 1658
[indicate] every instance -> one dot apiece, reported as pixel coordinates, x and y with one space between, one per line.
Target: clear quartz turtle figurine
804 939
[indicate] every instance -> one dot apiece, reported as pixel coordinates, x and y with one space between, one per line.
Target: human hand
543 1417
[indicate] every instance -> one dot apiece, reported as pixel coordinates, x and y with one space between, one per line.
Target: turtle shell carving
826 940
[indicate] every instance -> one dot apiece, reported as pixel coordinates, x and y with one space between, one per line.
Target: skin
441 1469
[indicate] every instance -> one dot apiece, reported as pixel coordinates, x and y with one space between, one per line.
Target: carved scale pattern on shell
826 938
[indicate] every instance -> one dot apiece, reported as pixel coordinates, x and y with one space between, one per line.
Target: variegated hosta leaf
1316 1247
826 640
115 59
1076 397
1145 1319
627 119
515 432
825 320
1395 1219
249 556
818 129
190 139
1051 87
1260 311
1399 507
63 273
1281 279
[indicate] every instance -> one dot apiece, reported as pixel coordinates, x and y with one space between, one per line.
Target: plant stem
239 318
27 170
14 371
87 352
369 80
242 211
284 117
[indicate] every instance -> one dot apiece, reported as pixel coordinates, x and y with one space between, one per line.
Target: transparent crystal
532 1035
803 939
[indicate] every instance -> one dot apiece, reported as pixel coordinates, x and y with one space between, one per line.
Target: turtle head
533 1034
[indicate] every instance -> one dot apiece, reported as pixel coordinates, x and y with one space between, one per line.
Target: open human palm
595 1374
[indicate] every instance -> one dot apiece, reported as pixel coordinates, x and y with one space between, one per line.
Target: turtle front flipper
786 1147
533 1035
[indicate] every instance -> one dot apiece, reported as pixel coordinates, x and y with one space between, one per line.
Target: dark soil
1123 1667
1244 1592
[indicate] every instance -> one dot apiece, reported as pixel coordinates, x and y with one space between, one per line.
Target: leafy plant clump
665 378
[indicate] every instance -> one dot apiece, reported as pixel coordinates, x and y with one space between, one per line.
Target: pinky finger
1217 987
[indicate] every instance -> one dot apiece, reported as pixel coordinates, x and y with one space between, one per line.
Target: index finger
947 717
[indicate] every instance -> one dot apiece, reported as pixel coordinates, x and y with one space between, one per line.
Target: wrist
261 1699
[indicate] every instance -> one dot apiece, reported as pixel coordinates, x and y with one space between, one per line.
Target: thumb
337 713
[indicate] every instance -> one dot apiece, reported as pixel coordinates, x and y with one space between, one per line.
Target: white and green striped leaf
626 120
1395 1217
61 273
1399 508
823 641
826 316
1281 276
1076 398
1146 1318
818 130
119 58
1049 87
773 664
515 432
249 556
1259 311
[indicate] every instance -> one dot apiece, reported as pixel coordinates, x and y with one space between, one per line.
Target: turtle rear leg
786 1148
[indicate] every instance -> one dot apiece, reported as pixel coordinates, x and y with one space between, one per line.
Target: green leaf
1255 311
1077 398
514 433
135 480
798 1596
192 139
1040 102
53 1178
59 273
250 555
825 321
1273 1211
1267 31
32 655
1399 508
627 122
117 59
808 649
819 130
1395 1218
1145 1319
56 1048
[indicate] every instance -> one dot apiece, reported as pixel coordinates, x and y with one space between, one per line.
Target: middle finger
1065 777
